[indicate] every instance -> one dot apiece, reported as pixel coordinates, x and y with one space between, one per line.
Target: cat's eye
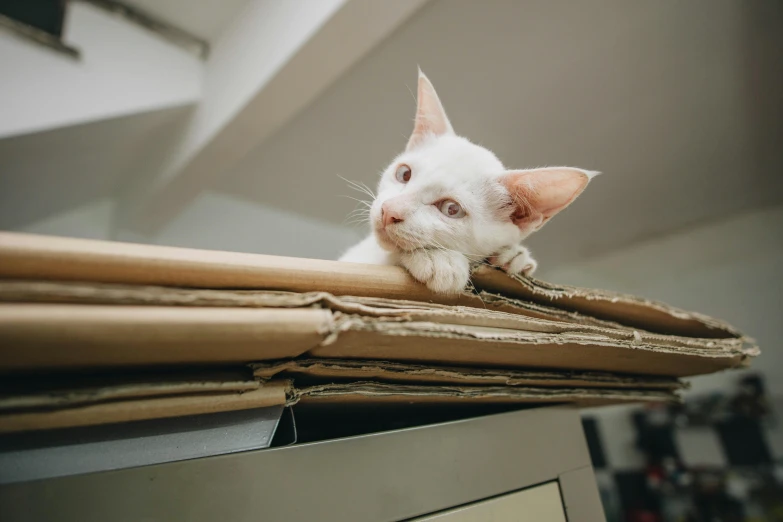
403 174
451 208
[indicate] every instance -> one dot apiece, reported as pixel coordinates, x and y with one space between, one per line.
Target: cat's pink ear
539 194
431 119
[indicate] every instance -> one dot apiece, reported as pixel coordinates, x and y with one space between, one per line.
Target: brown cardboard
388 309
38 337
77 407
288 325
473 346
393 372
51 258
383 393
46 336
36 392
23 291
602 304
270 394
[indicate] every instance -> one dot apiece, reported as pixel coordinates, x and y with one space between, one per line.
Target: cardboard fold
35 337
24 291
270 394
394 372
44 258
93 293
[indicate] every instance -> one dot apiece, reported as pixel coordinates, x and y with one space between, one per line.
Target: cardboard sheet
382 393
625 309
33 257
23 291
38 337
124 402
328 370
64 390
44 337
270 394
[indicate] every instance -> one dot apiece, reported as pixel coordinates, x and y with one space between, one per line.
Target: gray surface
103 448
580 496
387 476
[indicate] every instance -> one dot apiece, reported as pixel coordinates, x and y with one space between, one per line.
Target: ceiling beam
271 63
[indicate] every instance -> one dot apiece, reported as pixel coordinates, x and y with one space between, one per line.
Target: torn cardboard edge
606 305
25 256
68 390
270 394
36 337
286 392
371 393
393 372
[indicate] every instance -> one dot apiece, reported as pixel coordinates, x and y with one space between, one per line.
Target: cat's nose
389 215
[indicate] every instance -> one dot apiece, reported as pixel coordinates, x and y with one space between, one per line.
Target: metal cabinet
505 466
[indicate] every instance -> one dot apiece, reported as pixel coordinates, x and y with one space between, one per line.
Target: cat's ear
431 119
539 194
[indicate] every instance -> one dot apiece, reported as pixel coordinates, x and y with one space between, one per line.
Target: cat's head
446 192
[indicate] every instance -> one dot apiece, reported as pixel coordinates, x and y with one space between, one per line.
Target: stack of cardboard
98 332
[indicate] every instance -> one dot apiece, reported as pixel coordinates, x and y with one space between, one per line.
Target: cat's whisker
369 191
358 186
362 190
359 212
476 293
365 203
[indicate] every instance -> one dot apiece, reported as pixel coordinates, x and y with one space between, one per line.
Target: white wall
221 222
213 221
731 269
89 221
123 69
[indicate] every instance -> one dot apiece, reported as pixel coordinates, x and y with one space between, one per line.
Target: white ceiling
673 101
204 18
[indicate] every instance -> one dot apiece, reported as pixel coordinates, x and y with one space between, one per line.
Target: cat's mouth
392 241
385 240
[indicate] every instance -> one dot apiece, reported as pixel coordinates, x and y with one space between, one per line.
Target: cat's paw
515 260
443 272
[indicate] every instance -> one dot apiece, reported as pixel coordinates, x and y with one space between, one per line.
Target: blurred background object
226 124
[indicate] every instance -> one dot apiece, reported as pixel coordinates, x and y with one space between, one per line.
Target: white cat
446 204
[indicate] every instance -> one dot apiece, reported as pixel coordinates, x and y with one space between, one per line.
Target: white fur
439 250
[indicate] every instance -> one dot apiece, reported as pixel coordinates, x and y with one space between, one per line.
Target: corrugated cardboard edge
472 328
603 304
431 343
387 309
25 256
383 393
75 395
388 371
272 393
